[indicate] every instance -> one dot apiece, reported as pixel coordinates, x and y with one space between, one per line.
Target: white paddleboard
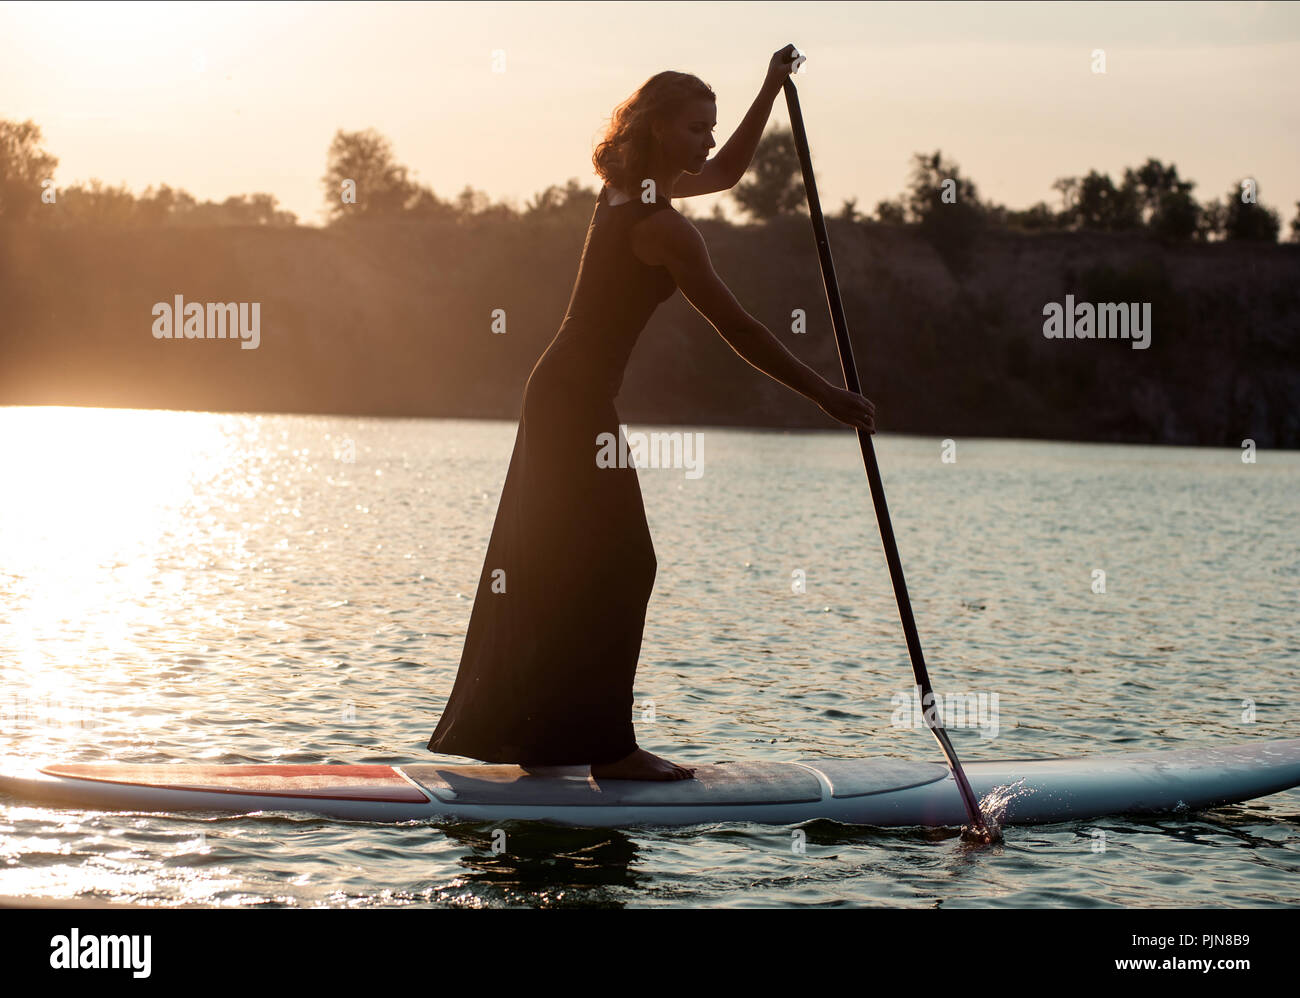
880 791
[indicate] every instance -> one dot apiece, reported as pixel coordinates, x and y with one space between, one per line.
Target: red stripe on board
332 782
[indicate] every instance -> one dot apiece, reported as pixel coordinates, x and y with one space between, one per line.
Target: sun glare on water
95 507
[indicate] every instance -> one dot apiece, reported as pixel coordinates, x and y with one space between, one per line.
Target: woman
554 636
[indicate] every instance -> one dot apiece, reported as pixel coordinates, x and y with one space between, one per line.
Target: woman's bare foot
641 765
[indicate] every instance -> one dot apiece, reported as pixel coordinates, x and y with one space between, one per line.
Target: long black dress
546 673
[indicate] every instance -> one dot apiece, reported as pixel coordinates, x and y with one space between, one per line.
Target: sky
233 98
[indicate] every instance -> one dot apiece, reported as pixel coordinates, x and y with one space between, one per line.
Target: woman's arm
671 241
724 168
757 344
738 152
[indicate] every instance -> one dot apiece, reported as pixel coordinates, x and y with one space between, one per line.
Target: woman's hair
622 157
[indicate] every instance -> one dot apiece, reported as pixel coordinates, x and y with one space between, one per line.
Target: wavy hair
622 157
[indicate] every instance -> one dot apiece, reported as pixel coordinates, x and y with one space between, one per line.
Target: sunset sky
232 98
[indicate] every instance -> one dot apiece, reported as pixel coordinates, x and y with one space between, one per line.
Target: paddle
977 830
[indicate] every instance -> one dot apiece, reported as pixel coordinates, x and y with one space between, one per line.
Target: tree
1213 217
425 204
1036 218
937 185
1177 216
381 185
892 212
945 204
1069 188
777 187
1165 202
572 196
23 165
473 205
1149 184
1295 224
97 203
255 209
1249 220
163 206
471 201
1094 202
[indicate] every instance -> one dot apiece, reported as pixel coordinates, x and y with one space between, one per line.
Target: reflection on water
221 588
95 509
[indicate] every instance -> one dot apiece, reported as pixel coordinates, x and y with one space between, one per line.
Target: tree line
364 180
1151 198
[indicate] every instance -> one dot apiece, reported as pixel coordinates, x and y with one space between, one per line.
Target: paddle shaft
851 382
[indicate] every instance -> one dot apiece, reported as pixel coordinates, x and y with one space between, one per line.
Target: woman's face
686 140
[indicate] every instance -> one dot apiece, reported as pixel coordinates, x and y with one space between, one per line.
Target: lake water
215 588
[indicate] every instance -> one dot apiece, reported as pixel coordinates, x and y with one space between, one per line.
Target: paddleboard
875 791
